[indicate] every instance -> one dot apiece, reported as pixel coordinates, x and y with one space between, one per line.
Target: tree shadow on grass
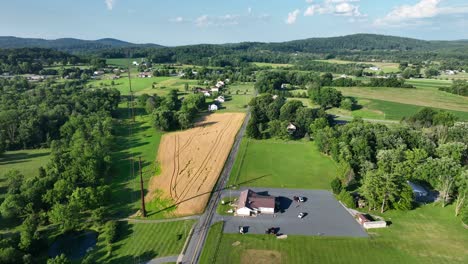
19 157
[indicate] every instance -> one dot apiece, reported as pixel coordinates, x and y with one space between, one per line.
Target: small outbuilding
291 128
212 108
220 99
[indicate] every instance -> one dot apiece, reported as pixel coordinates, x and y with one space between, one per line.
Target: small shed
212 108
291 128
220 99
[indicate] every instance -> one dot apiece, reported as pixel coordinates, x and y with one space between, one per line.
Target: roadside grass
421 96
426 235
210 249
282 164
223 208
141 242
134 141
25 161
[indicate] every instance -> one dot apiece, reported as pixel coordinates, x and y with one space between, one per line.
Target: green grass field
123 62
143 142
273 65
385 110
426 235
25 161
386 67
424 95
282 164
158 85
142 242
237 101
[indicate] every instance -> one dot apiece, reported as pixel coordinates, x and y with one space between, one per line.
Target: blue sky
178 22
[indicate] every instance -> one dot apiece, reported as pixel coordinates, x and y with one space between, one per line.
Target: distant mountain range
356 42
69 44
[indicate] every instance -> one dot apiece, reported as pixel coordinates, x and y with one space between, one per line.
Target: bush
465 215
110 232
336 186
347 199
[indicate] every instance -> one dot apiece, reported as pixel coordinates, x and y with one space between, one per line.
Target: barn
252 203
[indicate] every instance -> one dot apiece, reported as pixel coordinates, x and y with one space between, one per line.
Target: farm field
238 100
141 242
123 62
143 140
386 110
386 67
282 164
427 96
25 161
144 85
429 234
273 65
192 160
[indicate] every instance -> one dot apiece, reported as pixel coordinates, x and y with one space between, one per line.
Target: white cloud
335 7
309 1
310 11
292 17
414 14
178 19
110 4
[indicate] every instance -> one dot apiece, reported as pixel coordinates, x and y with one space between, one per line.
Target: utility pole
143 209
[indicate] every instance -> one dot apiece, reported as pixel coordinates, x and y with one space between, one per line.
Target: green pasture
427 235
282 164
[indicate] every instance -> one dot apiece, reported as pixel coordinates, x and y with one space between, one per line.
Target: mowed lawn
282 164
421 96
239 97
132 141
25 161
427 235
386 110
138 243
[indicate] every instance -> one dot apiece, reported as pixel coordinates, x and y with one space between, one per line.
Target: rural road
200 232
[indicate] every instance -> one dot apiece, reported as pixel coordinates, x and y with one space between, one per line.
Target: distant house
135 63
274 97
97 73
251 202
450 72
284 86
207 94
220 99
374 68
212 108
219 84
144 75
291 128
418 190
215 89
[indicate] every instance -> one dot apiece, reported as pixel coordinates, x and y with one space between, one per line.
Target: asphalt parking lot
325 216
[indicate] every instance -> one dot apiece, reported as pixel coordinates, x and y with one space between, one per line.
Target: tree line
70 192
